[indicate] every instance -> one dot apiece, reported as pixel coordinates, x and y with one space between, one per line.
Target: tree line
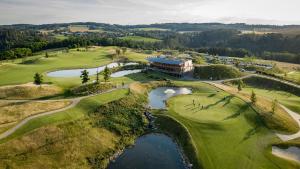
227 42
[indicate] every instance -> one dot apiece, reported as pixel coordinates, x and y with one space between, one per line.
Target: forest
17 41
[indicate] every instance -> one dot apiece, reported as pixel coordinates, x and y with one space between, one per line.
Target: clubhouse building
171 65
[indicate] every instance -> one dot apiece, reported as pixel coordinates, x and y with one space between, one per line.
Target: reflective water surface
151 151
158 96
92 71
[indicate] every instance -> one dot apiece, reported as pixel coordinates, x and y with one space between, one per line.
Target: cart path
74 101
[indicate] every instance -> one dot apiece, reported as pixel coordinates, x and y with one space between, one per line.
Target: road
74 101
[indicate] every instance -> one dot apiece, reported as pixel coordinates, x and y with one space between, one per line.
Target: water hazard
151 151
92 71
157 97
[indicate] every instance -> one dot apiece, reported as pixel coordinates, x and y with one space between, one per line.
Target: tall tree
253 97
118 52
38 79
84 76
106 73
274 105
97 77
124 50
240 85
46 55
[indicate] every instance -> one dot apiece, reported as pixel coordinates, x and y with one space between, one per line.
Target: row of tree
227 42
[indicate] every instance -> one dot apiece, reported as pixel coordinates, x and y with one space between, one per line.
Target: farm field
151 29
140 38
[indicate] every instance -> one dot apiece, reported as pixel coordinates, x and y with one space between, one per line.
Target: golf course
66 122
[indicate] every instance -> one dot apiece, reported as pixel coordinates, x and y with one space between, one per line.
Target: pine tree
106 74
84 76
97 77
38 79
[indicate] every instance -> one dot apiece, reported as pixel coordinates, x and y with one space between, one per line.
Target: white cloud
144 11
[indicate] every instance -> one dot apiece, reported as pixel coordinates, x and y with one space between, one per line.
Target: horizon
130 12
159 23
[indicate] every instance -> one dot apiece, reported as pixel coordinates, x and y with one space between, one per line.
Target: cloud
143 11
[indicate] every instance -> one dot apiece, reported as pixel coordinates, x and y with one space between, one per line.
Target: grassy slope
85 106
287 99
226 131
15 112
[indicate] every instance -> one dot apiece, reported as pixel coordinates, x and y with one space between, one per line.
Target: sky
279 12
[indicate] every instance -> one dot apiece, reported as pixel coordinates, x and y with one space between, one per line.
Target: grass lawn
18 72
140 39
79 111
227 133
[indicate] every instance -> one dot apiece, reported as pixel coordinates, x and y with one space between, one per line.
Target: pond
92 71
125 72
151 151
290 153
158 96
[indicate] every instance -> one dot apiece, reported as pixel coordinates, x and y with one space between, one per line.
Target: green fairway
85 106
227 133
140 39
16 73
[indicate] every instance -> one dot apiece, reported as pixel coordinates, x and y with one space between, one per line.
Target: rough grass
58 146
227 132
84 142
28 91
14 112
80 111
